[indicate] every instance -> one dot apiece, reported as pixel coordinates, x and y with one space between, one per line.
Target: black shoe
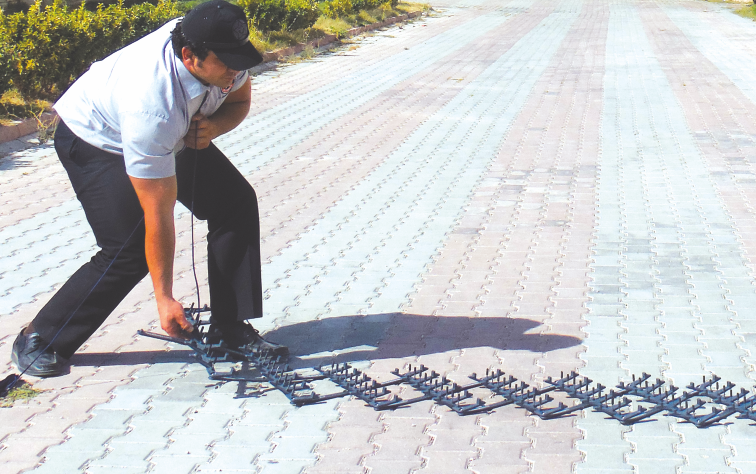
32 356
241 336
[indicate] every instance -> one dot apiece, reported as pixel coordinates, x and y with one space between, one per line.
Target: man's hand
201 132
172 319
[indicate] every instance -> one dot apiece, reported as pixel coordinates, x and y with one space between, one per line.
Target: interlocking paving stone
671 196
484 188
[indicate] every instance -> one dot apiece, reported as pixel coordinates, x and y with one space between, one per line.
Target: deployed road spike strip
439 389
664 399
678 406
519 393
579 387
719 394
742 402
357 384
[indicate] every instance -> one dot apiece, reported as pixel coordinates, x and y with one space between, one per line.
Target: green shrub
280 15
337 8
7 53
359 5
365 18
343 8
48 48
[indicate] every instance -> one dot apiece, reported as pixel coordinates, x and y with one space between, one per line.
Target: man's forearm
158 198
228 117
160 247
233 110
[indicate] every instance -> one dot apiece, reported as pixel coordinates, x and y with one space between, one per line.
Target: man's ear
187 54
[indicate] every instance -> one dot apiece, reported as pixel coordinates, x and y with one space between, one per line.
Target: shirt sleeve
148 143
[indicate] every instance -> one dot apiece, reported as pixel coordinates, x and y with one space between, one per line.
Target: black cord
194 182
194 268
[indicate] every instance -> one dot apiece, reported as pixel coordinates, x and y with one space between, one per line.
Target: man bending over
135 136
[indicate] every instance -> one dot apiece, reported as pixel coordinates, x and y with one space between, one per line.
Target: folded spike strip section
650 398
273 370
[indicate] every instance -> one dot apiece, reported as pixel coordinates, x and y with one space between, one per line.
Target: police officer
135 136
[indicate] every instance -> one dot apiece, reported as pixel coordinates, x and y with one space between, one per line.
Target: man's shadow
377 336
399 335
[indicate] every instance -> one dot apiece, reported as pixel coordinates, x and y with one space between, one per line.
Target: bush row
45 49
288 15
277 15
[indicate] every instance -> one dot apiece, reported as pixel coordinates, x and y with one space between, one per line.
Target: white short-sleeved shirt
138 102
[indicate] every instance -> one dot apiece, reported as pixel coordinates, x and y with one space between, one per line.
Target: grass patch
23 391
14 107
409 7
307 53
747 12
333 26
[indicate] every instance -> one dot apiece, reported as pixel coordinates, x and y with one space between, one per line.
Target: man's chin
224 84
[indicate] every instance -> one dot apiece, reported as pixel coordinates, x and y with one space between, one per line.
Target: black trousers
222 196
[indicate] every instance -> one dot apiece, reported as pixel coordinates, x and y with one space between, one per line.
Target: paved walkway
532 185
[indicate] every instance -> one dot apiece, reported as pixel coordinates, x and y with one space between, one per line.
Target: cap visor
241 58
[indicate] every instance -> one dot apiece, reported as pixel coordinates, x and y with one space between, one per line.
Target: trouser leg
115 215
224 198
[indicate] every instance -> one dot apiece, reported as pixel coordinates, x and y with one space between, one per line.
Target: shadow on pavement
398 335
104 359
373 337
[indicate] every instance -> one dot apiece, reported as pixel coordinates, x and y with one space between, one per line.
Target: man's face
210 70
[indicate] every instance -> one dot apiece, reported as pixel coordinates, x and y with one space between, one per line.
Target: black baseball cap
222 28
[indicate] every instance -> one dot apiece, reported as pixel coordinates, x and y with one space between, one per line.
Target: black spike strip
358 384
679 406
521 394
439 389
613 403
740 402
